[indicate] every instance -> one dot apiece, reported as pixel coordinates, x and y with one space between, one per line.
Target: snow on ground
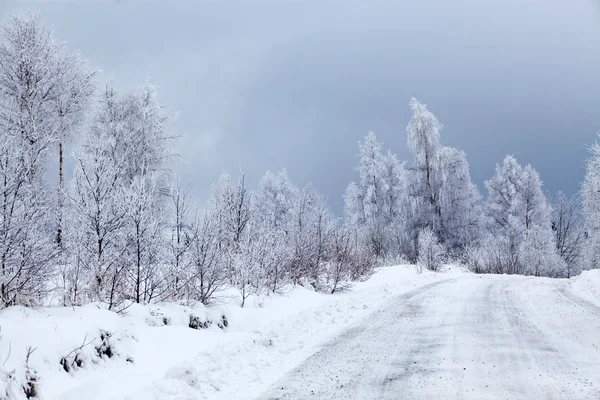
473 337
587 285
157 356
59 332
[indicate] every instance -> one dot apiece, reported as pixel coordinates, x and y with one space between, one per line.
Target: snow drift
587 285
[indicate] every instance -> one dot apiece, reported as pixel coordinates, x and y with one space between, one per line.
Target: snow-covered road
474 337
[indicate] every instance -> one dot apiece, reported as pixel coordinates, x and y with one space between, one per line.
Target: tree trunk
60 193
138 282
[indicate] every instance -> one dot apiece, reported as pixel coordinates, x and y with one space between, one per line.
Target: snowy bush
31 378
224 322
105 348
431 252
538 255
197 323
346 263
475 260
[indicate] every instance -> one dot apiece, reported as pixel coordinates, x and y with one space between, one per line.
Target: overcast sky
296 84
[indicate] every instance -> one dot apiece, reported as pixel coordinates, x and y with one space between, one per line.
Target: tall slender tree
591 206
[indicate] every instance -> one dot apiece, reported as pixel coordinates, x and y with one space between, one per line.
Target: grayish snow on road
479 337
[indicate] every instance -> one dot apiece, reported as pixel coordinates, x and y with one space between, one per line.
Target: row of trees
430 210
123 229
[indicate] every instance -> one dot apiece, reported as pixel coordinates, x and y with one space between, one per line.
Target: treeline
430 212
124 230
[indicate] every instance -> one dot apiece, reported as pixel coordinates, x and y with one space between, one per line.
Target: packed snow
474 337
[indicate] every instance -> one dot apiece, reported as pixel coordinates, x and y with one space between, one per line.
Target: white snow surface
587 285
541 337
471 337
263 341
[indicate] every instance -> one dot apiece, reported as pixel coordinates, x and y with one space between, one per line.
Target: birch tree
49 89
443 196
423 137
98 196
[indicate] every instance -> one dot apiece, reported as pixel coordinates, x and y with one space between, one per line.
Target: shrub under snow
431 252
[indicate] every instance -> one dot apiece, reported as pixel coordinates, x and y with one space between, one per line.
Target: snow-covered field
157 356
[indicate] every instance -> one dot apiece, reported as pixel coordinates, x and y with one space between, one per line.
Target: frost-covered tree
144 238
180 239
518 212
397 211
338 270
147 128
310 228
423 137
431 252
72 107
503 204
443 196
569 233
46 90
256 270
208 267
538 249
72 281
118 195
376 205
231 204
370 170
538 253
591 206
230 207
274 201
536 209
29 85
504 210
460 200
26 251
98 200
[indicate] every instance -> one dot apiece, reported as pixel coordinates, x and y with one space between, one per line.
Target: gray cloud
297 84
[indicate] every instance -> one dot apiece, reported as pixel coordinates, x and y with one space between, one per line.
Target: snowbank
92 343
150 352
587 285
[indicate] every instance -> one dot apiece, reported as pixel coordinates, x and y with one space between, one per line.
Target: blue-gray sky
272 84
